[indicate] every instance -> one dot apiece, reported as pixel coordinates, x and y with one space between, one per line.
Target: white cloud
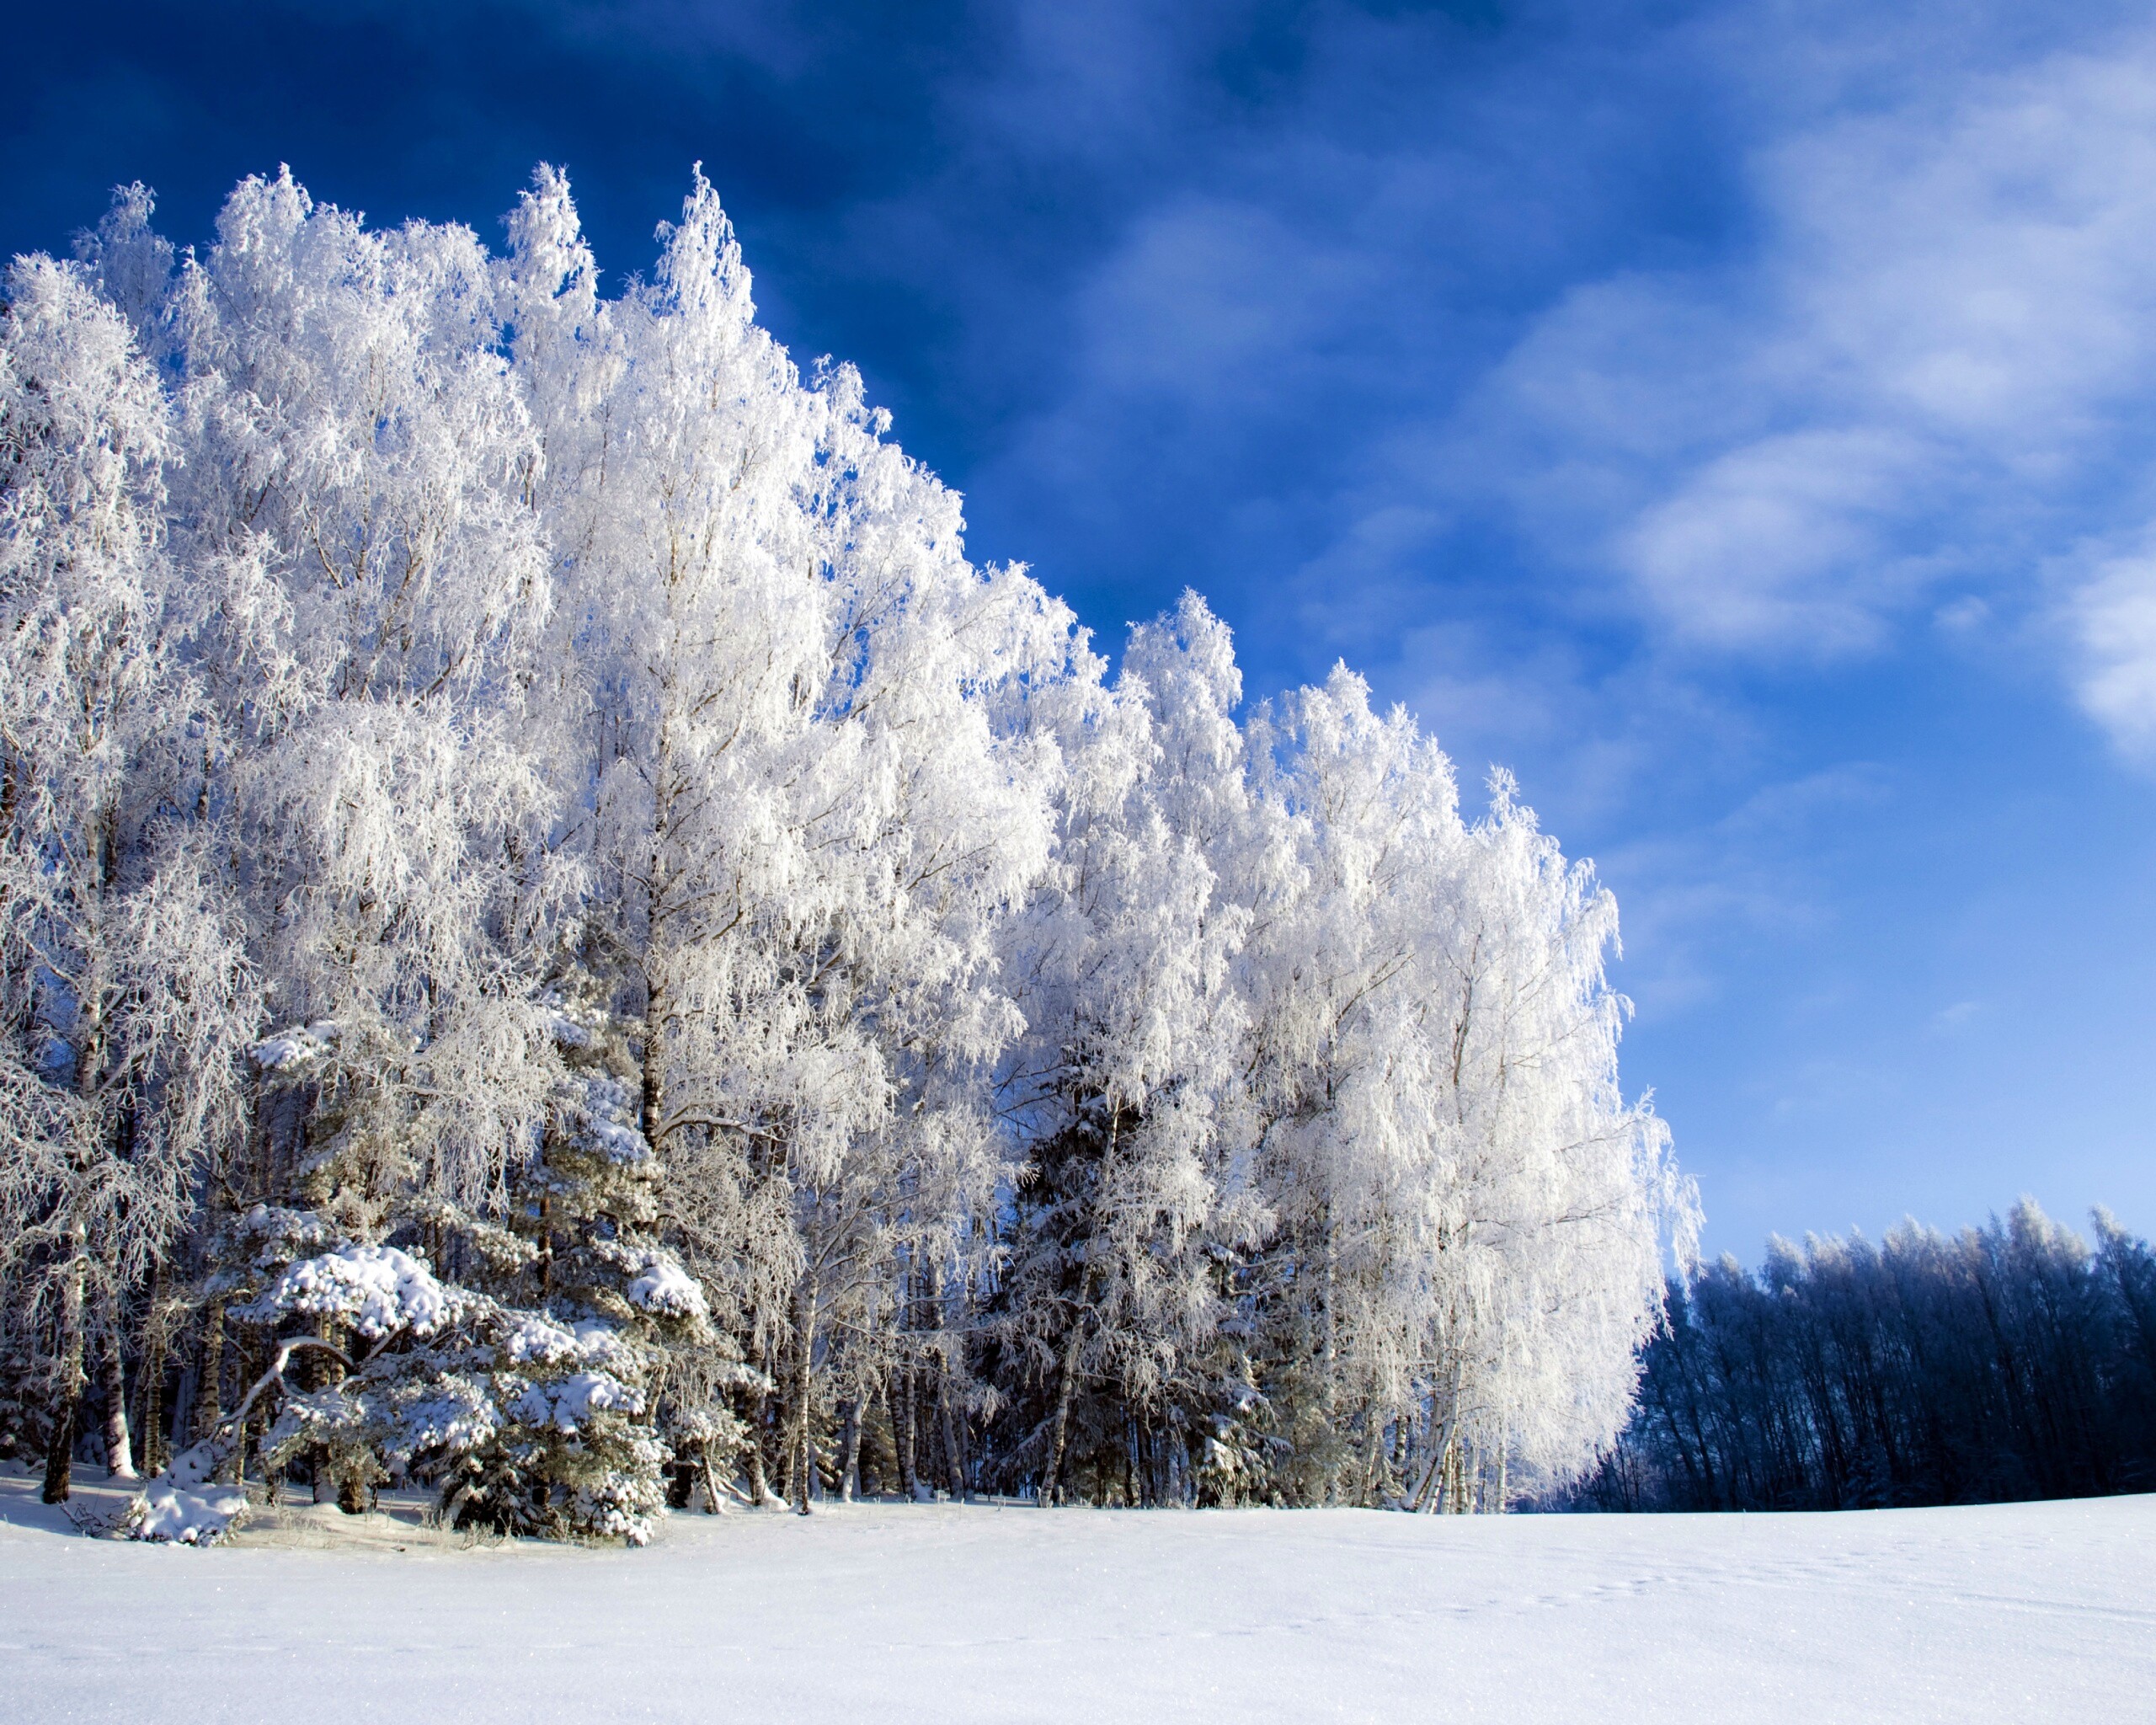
1938 361
1213 299
1788 537
2113 615
1910 368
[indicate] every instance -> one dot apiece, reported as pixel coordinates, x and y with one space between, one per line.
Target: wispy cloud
1931 373
1831 325
2112 611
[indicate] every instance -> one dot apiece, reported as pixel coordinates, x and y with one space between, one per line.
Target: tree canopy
559 940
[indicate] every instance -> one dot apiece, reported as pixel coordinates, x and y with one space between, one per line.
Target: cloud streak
1932 373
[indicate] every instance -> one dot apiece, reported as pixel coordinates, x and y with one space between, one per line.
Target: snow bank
898 1614
168 1512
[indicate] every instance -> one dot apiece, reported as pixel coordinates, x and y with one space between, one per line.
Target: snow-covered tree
1126 1087
563 940
1471 1217
125 991
806 817
370 580
2006 1361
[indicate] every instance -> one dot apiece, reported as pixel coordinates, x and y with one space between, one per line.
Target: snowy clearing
2033 1611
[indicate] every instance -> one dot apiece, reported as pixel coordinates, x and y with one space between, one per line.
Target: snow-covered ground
889 1614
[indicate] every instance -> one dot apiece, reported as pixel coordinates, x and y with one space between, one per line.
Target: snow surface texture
2033 1611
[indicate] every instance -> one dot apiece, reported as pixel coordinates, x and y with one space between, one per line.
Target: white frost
292 1051
604 1118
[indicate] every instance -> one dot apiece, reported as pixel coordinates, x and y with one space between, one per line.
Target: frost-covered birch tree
565 942
123 987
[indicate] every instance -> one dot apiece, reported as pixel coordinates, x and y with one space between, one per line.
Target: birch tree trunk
1066 1388
850 1451
800 1453
1433 1475
714 1504
658 881
1373 1451
759 1486
119 1452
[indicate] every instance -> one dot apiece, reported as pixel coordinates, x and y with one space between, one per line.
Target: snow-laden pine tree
563 941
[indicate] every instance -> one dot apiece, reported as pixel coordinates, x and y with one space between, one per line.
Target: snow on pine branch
374 1290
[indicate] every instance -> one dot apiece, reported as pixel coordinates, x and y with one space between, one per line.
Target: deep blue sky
1735 417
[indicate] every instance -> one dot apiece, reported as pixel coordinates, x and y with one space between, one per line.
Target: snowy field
891 1613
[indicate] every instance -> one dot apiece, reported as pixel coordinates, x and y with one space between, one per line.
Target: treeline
560 942
2006 1362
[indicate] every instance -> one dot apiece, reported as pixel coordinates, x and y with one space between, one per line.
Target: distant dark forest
2007 1362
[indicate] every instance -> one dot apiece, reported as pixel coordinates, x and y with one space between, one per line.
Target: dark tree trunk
752 1414
67 1384
801 1453
902 1427
152 1378
954 1461
879 1443
208 1387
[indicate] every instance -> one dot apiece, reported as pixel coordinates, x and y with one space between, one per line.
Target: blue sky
1735 417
